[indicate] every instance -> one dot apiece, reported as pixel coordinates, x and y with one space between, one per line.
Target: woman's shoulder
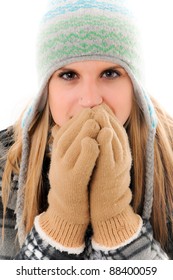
6 138
6 141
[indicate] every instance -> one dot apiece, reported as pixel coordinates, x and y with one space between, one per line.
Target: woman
87 170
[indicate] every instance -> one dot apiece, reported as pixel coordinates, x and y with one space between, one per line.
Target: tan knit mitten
113 219
74 155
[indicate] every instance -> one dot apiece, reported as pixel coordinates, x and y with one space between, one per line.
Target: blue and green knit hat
80 30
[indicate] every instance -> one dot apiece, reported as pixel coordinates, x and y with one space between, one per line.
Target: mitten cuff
116 232
61 234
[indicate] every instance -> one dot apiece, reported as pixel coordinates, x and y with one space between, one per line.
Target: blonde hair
162 211
137 131
39 133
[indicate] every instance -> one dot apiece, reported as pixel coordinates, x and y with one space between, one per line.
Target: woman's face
87 84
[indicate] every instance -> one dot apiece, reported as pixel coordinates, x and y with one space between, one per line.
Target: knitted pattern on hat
85 29
80 30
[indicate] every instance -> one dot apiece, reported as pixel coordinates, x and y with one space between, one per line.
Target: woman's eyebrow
113 67
65 69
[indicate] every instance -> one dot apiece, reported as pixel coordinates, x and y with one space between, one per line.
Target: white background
18 28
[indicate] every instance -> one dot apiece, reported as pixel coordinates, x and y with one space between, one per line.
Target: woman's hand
74 155
114 221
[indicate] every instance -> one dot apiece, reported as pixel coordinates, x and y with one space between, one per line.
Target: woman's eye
110 74
68 76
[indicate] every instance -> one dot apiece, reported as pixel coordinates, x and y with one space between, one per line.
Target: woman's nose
90 96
